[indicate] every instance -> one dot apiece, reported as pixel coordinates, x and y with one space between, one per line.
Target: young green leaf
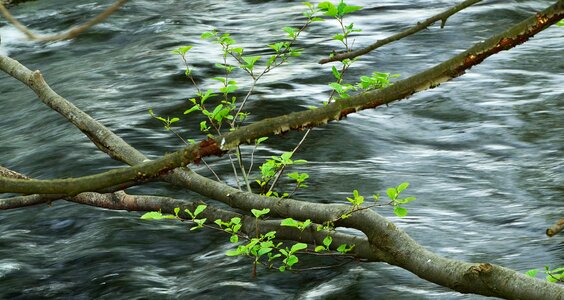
400 211
258 213
327 241
392 193
336 72
199 209
319 249
402 187
289 222
329 8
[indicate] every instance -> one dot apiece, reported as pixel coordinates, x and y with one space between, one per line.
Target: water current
483 153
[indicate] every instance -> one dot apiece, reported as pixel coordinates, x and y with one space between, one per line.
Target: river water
483 153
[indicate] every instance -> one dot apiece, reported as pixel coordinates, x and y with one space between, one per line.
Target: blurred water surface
483 153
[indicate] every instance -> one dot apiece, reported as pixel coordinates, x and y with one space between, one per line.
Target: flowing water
483 153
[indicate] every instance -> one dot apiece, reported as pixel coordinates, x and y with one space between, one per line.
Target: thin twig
71 33
420 26
242 167
283 166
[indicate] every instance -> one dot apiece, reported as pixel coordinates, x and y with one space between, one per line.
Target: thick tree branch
387 242
443 72
30 200
420 26
71 33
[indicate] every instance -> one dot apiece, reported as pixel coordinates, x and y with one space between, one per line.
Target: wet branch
71 33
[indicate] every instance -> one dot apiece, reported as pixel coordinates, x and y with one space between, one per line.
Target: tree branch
555 228
430 78
420 26
387 242
71 33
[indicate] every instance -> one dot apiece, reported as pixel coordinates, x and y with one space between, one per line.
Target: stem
235 172
284 166
242 167
251 89
205 163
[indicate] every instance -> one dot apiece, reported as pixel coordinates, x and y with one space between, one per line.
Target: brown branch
555 228
420 26
385 240
430 78
71 33
36 199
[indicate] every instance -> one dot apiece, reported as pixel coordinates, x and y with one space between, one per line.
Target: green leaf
337 87
349 9
182 50
298 247
291 31
194 108
233 252
263 251
329 9
292 260
260 140
400 211
250 60
289 222
217 110
532 273
327 241
406 200
207 35
236 228
336 72
199 209
339 37
402 187
228 89
319 249
204 126
258 213
237 50
392 193
234 238
176 211
152 215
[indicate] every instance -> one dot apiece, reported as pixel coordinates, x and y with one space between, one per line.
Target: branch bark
555 228
420 26
385 242
430 78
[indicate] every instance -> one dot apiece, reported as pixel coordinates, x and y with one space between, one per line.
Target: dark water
483 153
